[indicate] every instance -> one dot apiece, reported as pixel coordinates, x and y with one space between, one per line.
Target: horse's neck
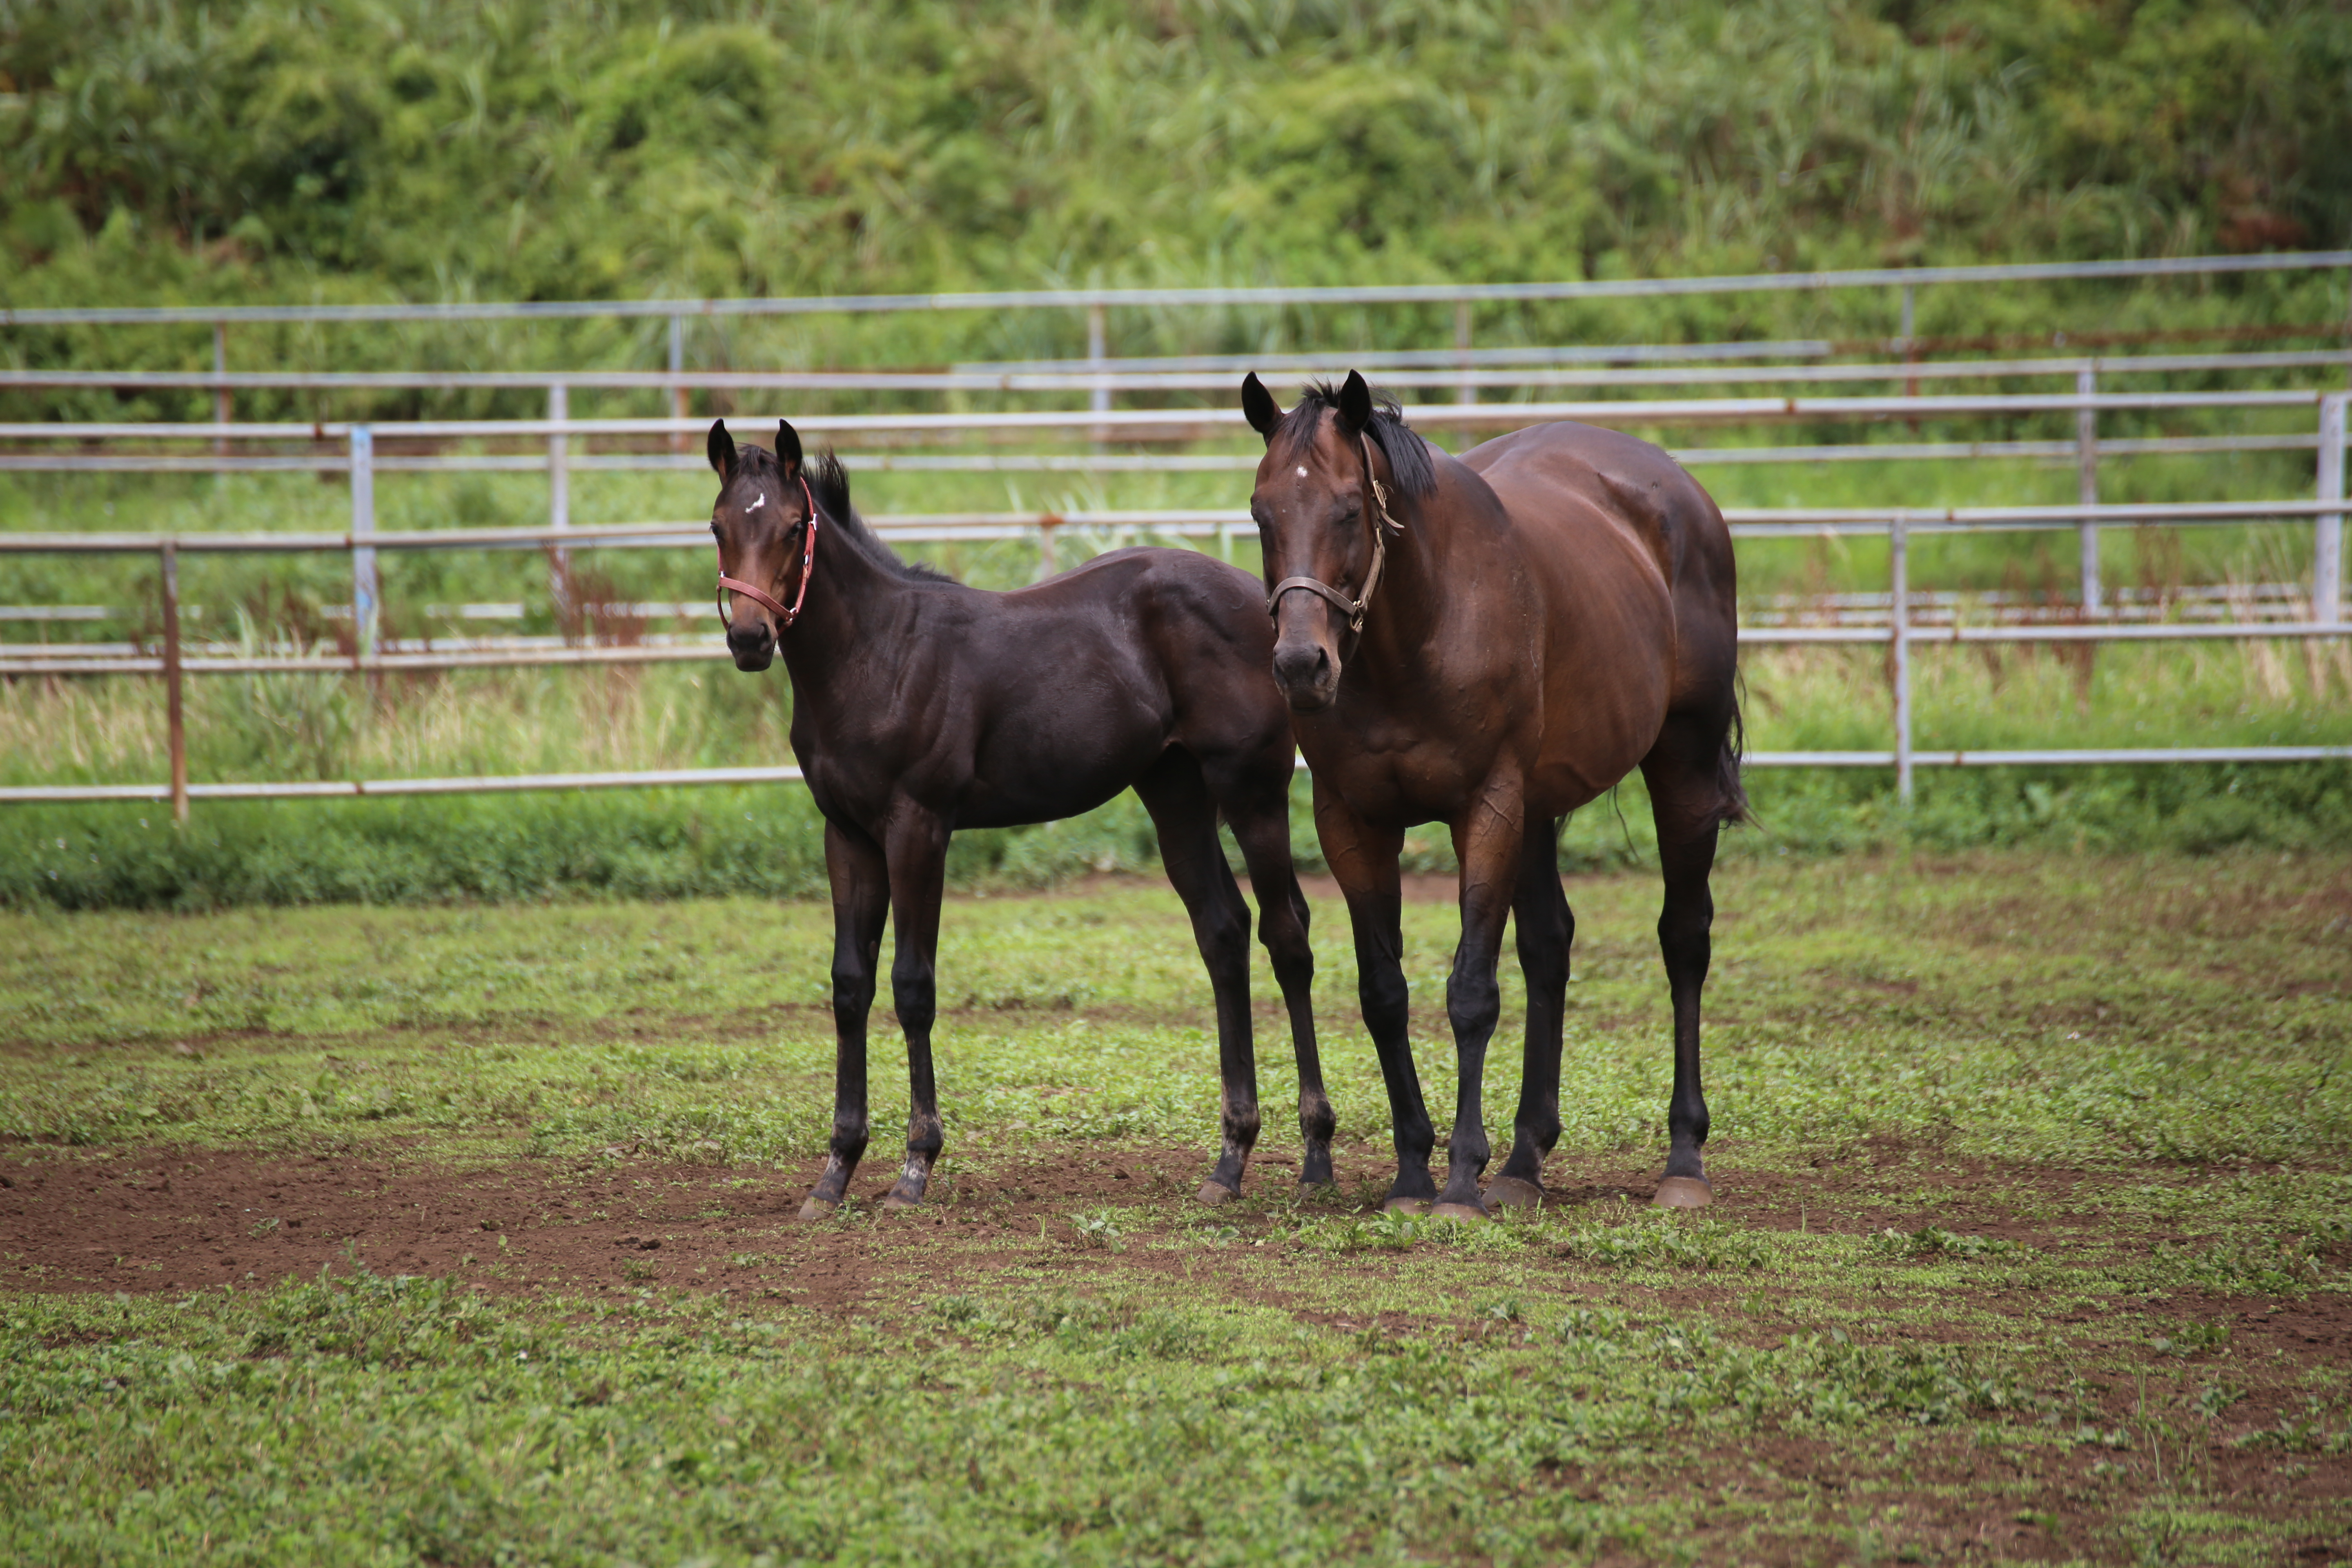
850 624
1402 619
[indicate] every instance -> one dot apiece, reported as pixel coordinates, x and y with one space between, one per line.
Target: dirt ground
158 1219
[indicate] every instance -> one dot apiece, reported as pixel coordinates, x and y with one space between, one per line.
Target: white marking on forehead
757 503
1302 471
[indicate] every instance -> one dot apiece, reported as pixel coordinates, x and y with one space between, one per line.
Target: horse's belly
1014 784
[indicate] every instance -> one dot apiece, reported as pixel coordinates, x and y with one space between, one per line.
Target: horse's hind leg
919 856
1178 799
1684 771
1546 928
861 903
1261 827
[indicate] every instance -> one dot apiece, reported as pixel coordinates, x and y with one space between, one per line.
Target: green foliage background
568 149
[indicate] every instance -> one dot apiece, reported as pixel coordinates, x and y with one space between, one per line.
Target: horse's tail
1730 789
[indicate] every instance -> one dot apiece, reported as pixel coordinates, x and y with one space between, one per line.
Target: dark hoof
818 1208
895 1199
1405 1206
1683 1192
1511 1193
1469 1211
1213 1193
1316 1184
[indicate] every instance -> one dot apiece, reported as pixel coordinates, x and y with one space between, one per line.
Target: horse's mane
1408 454
829 485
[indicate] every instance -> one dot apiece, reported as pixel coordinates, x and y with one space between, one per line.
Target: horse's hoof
818 1208
1316 1184
1213 1192
1469 1211
1405 1206
894 1200
1683 1192
1511 1193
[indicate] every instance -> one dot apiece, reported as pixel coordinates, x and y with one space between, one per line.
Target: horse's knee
853 991
1472 1002
914 992
1382 988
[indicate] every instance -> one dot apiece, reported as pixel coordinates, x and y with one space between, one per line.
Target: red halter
808 567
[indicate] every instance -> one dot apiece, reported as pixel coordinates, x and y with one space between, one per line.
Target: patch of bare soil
157 1219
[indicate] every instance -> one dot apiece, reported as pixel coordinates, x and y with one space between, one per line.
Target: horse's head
761 521
1321 508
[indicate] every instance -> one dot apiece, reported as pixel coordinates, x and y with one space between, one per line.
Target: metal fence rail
1116 376
1109 299
1899 635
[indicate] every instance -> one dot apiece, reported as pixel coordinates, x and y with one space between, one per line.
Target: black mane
1408 454
829 487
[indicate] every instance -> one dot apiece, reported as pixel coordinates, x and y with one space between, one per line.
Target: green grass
2106 1011
2032 1174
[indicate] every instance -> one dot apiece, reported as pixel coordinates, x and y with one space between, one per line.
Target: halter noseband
808 566
1385 525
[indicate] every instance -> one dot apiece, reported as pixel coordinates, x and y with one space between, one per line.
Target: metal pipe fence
561 447
1900 634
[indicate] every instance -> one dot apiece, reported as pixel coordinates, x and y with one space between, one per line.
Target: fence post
223 403
1045 547
364 578
174 722
1898 626
2086 484
2327 537
1098 351
1464 392
681 406
558 469
1910 354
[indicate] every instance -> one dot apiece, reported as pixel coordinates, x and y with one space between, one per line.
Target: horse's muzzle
1308 673
754 646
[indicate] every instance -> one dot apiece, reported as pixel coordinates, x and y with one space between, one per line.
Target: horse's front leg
918 858
1363 860
861 902
1487 840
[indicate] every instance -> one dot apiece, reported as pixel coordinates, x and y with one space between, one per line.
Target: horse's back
1566 484
1198 625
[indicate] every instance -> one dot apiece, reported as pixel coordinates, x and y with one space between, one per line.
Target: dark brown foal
920 706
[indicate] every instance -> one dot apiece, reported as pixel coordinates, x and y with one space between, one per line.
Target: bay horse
920 706
1491 642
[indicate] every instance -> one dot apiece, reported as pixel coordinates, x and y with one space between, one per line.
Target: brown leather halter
1382 527
808 567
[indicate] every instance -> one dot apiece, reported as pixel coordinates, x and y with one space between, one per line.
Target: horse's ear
1354 404
722 448
1259 408
787 448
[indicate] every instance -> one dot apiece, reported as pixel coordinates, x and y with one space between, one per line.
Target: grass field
462 1235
